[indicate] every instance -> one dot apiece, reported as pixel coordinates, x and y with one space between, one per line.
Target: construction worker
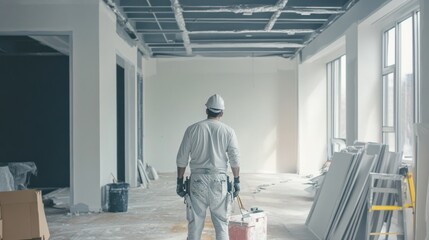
210 145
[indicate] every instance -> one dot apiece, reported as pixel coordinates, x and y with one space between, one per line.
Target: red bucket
252 227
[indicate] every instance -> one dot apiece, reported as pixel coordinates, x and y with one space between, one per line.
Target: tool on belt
188 185
229 184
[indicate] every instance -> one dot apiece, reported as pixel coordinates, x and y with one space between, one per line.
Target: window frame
395 69
334 79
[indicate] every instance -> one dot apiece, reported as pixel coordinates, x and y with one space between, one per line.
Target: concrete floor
158 213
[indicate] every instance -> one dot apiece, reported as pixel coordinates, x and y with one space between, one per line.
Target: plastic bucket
118 197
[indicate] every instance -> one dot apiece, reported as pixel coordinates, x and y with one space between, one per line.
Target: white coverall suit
210 144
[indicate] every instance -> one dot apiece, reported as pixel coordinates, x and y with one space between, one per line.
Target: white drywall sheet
366 164
330 193
427 212
422 166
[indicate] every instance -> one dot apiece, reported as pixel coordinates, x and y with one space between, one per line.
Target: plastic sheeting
6 180
20 172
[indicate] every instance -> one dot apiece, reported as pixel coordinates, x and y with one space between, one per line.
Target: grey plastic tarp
6 180
20 172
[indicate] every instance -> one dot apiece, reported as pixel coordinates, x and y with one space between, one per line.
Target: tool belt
188 185
207 171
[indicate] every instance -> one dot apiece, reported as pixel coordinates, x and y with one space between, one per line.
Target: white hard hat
215 104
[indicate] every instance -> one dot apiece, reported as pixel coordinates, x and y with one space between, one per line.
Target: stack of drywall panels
329 195
340 207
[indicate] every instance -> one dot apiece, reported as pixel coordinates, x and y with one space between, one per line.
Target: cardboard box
23 215
252 227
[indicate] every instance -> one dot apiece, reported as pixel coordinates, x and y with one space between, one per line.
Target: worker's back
209 143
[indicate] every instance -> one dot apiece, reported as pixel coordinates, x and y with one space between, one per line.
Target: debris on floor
158 213
79 208
153 175
316 181
59 198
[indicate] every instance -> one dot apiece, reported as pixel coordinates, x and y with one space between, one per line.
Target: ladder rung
385 208
385 233
383 176
384 190
408 205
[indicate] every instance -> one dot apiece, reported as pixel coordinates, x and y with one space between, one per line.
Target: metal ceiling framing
225 28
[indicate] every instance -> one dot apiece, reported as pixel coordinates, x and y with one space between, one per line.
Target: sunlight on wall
270 152
312 116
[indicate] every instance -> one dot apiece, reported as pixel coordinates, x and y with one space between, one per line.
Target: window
336 77
400 83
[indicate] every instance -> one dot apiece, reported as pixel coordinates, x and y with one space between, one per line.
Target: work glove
180 187
236 186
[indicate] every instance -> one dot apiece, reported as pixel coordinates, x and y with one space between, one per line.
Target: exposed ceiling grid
280 4
182 25
225 28
157 22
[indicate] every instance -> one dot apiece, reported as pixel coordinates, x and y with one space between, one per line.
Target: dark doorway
35 109
120 110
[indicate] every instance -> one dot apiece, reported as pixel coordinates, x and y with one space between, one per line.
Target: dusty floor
158 213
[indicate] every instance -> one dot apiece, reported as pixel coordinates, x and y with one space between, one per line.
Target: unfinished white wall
369 83
111 46
107 71
313 108
352 74
93 111
261 105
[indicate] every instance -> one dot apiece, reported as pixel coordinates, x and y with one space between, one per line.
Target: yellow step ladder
387 194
